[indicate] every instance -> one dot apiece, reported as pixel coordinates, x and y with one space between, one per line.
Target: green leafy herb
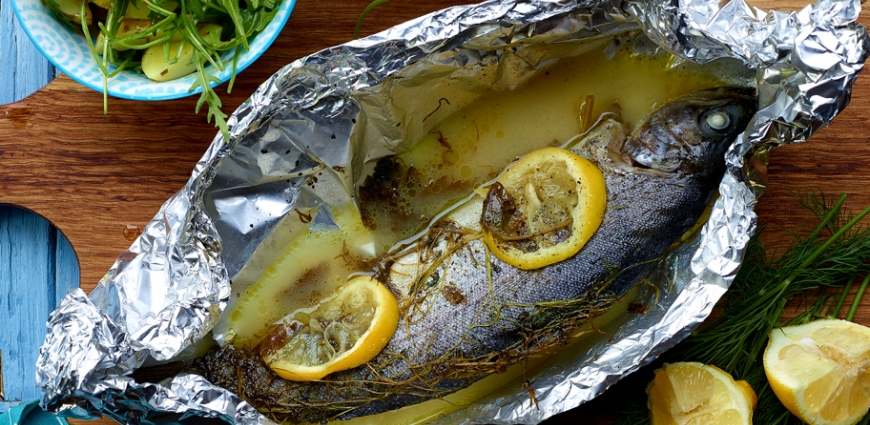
362 16
204 80
118 48
817 271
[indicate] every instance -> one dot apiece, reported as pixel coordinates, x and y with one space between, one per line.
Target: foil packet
167 291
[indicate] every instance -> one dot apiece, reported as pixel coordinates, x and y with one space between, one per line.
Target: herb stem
858 296
835 256
783 286
830 241
235 65
363 16
160 10
232 8
143 34
828 217
835 313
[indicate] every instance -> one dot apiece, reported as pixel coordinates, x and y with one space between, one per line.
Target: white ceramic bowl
69 52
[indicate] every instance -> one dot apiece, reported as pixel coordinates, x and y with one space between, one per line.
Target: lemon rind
741 395
789 389
369 344
588 214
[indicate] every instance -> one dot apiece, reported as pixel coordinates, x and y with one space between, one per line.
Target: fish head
687 134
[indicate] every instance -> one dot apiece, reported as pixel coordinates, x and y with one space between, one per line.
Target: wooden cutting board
95 175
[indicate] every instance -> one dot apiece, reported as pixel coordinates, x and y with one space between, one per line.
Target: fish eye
719 121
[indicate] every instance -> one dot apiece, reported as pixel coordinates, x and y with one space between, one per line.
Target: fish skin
673 162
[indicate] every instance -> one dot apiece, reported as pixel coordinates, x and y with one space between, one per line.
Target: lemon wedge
819 370
543 208
343 332
694 393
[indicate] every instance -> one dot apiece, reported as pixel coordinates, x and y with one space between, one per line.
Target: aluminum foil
306 124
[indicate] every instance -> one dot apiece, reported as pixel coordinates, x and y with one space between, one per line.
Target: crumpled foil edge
168 289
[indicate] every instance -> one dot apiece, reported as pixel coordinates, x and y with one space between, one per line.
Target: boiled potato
72 9
138 9
158 69
102 3
126 28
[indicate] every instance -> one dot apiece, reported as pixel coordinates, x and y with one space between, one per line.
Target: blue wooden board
37 264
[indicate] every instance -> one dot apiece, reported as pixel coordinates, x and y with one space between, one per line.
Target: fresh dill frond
816 271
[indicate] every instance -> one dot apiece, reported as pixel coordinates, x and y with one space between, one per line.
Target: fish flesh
466 314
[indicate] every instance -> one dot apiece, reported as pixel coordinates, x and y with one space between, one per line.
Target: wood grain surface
92 175
34 257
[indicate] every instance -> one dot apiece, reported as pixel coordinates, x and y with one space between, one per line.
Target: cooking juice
469 148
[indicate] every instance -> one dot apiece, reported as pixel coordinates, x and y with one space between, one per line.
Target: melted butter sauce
475 144
469 148
313 266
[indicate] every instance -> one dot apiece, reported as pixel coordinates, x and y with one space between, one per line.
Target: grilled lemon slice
820 371
343 332
694 393
543 208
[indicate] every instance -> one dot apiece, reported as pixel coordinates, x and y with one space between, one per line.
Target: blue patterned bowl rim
69 53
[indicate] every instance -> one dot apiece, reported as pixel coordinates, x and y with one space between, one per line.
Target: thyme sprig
816 271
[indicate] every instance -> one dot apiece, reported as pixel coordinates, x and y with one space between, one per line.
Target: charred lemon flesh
543 208
343 332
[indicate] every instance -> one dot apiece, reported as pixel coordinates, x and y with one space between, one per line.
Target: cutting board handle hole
28 238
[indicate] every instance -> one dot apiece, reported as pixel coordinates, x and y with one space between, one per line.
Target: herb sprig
362 16
239 21
817 271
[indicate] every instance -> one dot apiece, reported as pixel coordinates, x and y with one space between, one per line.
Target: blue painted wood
38 267
23 70
66 267
24 277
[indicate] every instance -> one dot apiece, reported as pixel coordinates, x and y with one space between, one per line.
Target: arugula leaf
253 4
204 80
363 16
232 7
240 21
255 22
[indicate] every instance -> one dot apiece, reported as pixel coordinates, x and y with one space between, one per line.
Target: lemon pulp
694 393
544 208
343 332
819 371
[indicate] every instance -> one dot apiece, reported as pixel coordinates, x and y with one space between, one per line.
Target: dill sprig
816 271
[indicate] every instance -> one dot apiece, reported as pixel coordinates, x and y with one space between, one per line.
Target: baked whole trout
466 314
